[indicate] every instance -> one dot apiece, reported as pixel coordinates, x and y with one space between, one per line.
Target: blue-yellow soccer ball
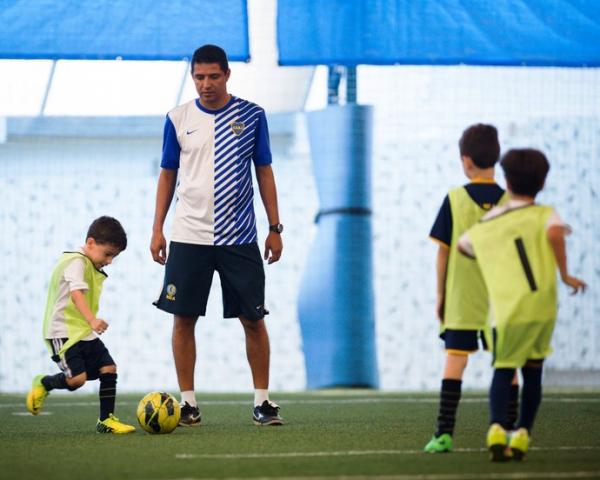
158 412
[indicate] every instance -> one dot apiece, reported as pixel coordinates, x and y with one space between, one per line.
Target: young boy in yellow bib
71 327
518 247
462 302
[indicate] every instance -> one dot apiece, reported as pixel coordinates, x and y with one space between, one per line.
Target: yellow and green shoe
519 443
36 396
441 444
497 443
113 425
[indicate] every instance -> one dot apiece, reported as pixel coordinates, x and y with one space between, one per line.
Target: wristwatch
277 228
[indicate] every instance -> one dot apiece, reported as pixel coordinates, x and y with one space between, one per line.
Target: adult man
211 142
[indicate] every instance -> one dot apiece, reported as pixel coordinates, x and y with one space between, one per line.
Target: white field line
327 401
441 476
350 453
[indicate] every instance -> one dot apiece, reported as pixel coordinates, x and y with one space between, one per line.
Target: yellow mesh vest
77 326
519 268
518 265
466 300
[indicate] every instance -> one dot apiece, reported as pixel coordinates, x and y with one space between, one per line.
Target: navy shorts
85 356
189 272
464 340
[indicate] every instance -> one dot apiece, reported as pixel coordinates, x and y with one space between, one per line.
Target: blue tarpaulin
441 32
132 30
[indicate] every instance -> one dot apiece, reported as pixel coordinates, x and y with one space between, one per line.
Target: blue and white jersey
213 151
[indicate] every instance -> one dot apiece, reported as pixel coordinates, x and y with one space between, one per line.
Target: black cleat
267 414
190 416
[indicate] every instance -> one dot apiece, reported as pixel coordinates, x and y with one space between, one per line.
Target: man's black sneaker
190 416
267 414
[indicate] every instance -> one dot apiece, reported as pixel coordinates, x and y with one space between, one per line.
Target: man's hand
158 248
274 247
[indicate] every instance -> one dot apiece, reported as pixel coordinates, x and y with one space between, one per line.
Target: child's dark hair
480 142
525 170
211 54
108 230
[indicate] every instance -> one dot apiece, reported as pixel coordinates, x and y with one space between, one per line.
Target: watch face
276 228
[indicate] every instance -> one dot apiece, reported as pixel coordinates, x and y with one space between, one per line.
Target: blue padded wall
107 29
336 302
449 32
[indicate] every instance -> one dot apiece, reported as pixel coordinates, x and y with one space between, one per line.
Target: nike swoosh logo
191 131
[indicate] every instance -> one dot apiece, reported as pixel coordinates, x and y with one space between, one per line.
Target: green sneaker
519 443
441 444
113 425
497 443
37 395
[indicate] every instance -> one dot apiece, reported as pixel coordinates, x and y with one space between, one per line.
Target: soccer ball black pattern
158 412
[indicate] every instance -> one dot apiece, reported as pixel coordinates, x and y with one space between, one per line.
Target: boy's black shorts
463 340
84 356
189 272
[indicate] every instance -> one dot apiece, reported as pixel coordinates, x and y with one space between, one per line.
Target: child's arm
465 246
556 236
97 324
441 267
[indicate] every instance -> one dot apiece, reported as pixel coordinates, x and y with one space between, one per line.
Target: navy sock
531 397
449 397
58 381
107 393
513 408
500 395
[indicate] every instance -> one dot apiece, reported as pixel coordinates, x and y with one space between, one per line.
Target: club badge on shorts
237 128
171 291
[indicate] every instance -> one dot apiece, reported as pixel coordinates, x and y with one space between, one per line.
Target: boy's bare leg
450 393
455 366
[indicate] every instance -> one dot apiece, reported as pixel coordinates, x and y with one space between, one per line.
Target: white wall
51 189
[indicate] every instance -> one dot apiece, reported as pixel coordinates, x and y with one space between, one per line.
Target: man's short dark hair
525 170
211 54
108 230
480 143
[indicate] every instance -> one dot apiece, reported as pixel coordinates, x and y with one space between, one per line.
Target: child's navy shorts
84 356
464 340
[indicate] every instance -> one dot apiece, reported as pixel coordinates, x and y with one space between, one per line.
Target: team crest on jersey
171 291
237 128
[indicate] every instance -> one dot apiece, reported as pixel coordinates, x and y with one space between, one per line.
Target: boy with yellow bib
462 302
518 247
71 327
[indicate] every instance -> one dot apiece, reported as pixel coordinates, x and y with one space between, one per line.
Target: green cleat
113 425
519 443
441 444
497 443
36 396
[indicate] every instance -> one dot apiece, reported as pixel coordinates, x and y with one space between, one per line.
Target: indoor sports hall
365 101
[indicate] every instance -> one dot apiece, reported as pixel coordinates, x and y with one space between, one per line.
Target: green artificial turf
328 434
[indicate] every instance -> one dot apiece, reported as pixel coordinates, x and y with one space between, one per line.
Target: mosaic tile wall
51 189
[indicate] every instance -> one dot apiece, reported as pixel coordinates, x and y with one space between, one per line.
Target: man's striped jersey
213 151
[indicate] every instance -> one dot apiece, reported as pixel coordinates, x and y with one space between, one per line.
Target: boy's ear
467 161
90 241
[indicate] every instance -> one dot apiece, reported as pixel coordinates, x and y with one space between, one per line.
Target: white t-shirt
213 151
